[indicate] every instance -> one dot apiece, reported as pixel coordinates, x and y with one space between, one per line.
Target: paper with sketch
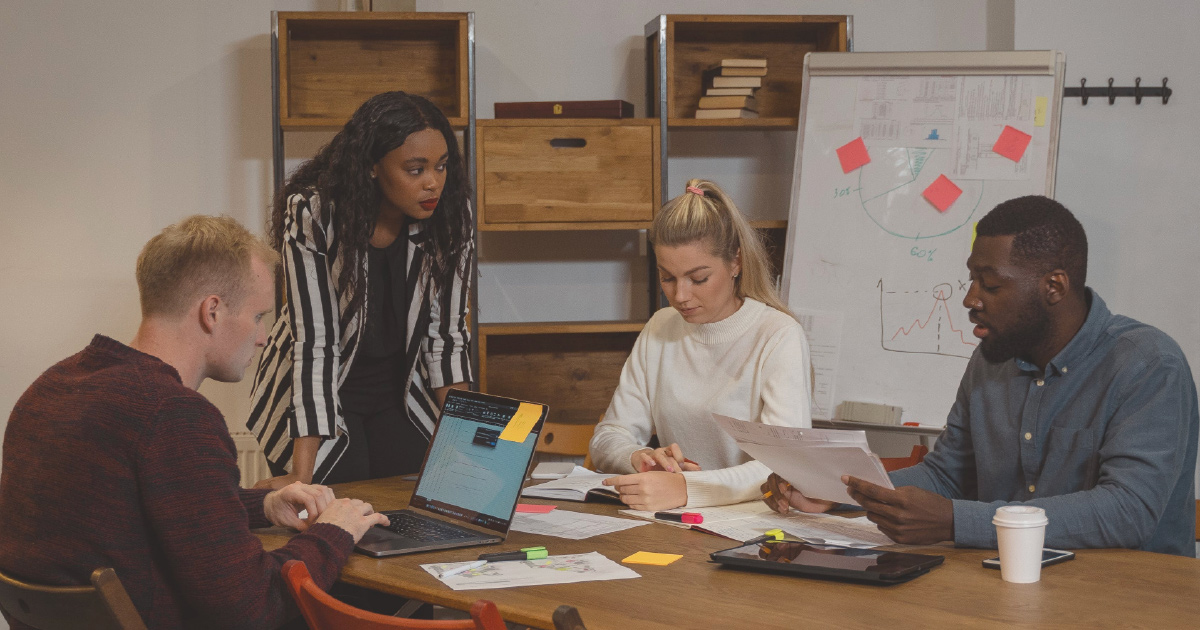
812 460
824 332
577 486
744 521
570 525
584 567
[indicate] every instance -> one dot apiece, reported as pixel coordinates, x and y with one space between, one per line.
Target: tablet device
870 566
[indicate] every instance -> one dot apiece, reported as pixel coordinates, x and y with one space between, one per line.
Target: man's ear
1055 286
208 313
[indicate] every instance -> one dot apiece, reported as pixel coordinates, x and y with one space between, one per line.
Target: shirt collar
1083 341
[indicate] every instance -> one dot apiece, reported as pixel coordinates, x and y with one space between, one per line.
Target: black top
375 378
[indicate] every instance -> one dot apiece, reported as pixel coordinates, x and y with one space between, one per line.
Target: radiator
250 460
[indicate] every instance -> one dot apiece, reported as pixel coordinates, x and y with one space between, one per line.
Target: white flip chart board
875 270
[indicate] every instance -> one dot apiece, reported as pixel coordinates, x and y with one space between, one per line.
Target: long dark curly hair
341 174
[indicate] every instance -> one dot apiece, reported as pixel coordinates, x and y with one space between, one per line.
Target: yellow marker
1039 111
656 559
522 423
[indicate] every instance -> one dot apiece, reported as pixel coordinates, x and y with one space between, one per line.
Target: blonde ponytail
712 218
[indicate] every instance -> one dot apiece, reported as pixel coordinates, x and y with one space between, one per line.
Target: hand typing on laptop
282 507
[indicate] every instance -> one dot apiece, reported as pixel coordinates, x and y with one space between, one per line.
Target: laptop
469 483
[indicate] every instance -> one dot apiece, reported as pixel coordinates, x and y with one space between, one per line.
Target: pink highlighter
691 518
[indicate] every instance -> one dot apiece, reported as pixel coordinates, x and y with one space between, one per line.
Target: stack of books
729 89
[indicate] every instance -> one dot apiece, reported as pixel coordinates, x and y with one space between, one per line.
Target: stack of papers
584 567
812 460
744 521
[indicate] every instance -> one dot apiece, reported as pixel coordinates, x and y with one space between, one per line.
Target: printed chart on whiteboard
894 173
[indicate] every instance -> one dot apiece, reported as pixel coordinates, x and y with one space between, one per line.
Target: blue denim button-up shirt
1104 441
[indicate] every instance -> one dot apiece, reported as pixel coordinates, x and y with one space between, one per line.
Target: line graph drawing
923 321
890 187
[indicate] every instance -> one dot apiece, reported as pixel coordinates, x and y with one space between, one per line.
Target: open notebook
581 485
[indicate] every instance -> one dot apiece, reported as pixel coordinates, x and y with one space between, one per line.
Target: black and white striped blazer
308 354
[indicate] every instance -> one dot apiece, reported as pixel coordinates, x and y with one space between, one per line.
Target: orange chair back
896 463
323 612
567 439
102 606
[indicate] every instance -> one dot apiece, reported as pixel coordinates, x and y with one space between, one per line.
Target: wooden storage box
330 62
567 174
695 42
573 367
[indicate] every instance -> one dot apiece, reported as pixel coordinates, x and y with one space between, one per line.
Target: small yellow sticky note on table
522 423
657 559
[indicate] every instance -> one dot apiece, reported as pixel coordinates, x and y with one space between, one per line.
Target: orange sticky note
530 508
656 559
1011 143
942 193
521 423
853 155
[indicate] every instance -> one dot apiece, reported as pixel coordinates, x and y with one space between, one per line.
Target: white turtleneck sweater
752 365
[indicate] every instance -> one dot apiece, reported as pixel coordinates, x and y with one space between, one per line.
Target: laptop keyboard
416 527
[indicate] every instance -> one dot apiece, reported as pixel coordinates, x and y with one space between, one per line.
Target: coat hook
1112 96
1083 90
1166 92
1137 91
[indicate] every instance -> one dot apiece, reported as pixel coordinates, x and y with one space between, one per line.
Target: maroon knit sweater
109 461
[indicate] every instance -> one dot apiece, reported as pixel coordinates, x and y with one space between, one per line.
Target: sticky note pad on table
1011 143
942 193
656 559
521 423
853 155
530 508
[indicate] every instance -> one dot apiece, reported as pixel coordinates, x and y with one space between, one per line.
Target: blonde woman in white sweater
727 345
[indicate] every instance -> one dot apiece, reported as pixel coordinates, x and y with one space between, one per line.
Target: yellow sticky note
1039 111
522 422
656 559
974 228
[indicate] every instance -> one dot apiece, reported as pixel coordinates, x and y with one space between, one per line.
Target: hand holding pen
669 459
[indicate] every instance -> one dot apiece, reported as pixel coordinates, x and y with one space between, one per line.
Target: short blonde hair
713 219
199 256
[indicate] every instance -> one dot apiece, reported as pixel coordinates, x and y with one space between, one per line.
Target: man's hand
651 491
283 506
352 515
282 481
669 459
907 515
783 497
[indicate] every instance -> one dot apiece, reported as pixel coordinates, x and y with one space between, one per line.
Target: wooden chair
567 439
323 612
896 463
102 606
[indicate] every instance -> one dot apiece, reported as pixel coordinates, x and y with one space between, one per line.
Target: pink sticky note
534 509
853 155
1011 143
942 193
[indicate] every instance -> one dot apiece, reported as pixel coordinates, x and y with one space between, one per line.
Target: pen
686 517
462 568
528 553
770 534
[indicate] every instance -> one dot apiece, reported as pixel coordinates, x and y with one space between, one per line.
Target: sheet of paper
584 567
942 193
824 332
571 525
649 557
529 508
812 460
853 154
913 112
522 422
985 106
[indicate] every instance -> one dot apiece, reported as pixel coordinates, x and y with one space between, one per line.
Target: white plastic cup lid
1020 516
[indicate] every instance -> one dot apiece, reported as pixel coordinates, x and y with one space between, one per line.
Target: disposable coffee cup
1020 532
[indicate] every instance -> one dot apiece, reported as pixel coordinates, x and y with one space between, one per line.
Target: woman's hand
669 459
651 491
780 496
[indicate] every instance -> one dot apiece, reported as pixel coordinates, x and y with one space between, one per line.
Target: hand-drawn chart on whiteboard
879 241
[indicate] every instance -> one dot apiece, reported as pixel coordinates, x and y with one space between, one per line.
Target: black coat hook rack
1110 92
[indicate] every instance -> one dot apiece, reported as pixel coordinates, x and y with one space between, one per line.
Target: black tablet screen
885 564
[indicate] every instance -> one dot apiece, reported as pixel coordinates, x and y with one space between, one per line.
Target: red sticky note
1011 143
853 155
942 193
534 509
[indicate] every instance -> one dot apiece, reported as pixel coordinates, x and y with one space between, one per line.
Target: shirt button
1064 370
1028 436
1040 382
1031 488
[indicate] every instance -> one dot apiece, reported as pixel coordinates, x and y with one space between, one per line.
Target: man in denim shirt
1065 406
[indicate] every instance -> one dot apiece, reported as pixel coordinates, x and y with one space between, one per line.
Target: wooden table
1100 588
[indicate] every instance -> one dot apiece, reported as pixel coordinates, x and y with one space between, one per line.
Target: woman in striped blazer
377 242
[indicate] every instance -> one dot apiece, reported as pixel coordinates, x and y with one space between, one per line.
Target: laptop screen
469 473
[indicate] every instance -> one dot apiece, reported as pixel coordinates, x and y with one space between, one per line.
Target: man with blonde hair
113 459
